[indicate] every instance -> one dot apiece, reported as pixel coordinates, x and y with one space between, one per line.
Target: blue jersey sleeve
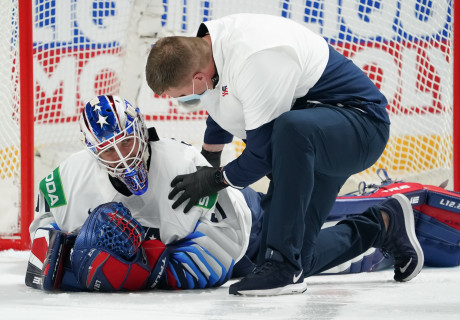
255 161
214 134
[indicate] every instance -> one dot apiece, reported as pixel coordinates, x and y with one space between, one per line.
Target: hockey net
82 48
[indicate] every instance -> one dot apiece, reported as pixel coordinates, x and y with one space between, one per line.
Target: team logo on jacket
224 91
52 189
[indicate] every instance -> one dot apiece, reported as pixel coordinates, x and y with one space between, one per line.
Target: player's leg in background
253 200
247 263
326 248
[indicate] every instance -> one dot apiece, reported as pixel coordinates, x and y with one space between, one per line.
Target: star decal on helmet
102 120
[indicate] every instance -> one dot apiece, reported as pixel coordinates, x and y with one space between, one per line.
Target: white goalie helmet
115 133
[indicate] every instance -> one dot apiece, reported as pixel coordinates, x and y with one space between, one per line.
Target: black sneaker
400 240
273 277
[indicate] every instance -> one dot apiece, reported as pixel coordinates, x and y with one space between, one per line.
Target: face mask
192 102
136 179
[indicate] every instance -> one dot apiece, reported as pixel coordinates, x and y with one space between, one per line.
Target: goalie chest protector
436 212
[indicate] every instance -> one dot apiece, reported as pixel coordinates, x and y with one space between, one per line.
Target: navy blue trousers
314 151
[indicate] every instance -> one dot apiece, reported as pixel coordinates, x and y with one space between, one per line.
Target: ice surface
434 294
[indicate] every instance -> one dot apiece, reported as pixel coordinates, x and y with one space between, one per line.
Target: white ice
434 294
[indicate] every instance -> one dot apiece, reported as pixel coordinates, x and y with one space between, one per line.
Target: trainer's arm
265 93
215 139
255 161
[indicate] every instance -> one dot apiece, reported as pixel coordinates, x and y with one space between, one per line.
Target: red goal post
18 159
82 48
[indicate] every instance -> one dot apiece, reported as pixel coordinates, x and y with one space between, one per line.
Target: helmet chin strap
146 156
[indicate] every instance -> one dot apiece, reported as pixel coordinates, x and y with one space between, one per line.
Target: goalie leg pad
103 271
108 272
48 256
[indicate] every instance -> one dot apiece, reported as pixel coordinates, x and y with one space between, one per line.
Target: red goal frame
21 240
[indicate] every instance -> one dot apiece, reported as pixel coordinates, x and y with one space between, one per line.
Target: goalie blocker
436 213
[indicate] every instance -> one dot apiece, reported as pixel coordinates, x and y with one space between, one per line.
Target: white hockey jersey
79 185
260 74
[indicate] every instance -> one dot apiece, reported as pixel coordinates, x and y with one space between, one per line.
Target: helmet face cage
114 132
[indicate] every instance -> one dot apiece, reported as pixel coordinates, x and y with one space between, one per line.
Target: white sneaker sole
409 222
289 289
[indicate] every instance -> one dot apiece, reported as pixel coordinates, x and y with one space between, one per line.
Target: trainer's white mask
192 102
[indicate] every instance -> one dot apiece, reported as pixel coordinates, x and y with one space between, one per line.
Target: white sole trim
289 289
409 224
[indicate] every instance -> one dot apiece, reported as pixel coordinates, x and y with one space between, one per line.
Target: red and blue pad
48 257
438 227
108 255
436 211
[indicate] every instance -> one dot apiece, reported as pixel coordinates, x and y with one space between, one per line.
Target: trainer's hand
204 182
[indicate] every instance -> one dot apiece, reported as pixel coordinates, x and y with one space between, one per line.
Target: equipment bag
436 212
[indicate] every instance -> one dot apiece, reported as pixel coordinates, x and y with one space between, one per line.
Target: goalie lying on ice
132 239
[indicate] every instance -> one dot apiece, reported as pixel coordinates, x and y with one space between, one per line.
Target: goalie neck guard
115 133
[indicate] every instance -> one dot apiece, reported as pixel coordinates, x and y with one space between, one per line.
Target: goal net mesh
87 47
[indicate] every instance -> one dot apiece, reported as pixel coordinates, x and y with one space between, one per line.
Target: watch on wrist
219 177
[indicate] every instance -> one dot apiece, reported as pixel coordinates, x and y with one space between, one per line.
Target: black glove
204 182
212 157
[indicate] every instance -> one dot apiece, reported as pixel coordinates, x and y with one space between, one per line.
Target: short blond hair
172 60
